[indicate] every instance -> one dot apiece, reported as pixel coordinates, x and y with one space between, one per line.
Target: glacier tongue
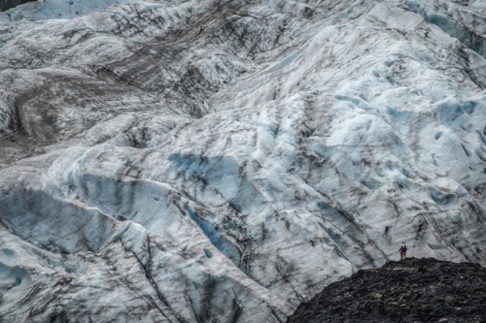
226 160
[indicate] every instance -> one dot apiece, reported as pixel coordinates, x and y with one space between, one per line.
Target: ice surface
60 9
225 160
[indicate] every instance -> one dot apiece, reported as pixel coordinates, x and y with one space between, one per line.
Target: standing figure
403 251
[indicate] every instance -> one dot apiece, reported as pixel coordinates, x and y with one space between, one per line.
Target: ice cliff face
189 161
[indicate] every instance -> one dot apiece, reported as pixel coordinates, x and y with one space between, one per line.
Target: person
403 251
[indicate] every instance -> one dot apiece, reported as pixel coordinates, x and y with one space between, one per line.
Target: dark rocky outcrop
413 290
9 4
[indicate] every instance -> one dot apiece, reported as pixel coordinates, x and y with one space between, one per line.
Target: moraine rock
9 4
413 290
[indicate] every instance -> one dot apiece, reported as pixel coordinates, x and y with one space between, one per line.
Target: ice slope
226 160
56 9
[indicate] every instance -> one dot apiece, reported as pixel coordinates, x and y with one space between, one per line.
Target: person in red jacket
403 251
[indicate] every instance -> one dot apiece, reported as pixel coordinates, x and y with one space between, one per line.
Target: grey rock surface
226 160
9 4
413 290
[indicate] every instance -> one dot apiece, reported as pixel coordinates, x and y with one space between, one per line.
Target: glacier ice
188 161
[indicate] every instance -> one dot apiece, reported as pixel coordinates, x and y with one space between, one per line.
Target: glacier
224 161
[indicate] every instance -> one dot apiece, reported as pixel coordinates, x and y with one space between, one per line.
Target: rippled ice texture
203 160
